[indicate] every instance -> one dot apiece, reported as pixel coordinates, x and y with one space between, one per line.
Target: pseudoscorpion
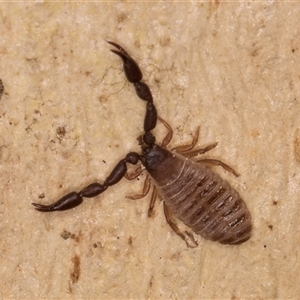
190 191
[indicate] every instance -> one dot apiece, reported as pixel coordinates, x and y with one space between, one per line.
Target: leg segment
74 199
186 236
188 151
193 153
182 149
167 139
134 75
216 162
152 203
146 189
136 173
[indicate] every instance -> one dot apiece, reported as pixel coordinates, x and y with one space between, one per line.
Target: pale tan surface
232 68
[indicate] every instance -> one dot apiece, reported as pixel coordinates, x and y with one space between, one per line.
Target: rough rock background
67 116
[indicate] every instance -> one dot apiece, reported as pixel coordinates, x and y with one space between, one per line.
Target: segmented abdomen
208 204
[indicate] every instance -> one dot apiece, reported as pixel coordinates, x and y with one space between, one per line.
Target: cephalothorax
190 191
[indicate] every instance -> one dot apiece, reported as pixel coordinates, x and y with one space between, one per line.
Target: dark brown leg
185 235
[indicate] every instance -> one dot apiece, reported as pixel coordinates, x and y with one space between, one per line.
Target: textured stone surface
67 116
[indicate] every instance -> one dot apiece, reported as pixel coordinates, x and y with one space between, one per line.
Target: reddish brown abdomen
207 203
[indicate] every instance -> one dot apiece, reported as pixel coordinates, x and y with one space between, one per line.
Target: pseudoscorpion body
192 192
